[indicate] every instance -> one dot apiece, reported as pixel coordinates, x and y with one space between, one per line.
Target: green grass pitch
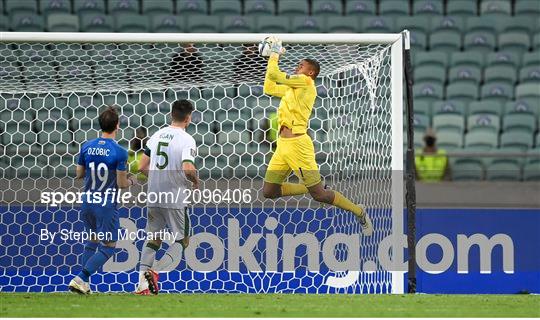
266 305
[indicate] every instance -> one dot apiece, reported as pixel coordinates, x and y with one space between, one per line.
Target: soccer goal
53 85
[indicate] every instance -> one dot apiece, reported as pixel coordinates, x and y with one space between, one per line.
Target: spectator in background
187 65
431 162
249 64
136 150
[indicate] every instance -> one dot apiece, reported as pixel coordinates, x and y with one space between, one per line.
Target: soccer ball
264 47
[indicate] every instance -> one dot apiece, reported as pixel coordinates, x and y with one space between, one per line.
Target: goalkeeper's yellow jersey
297 93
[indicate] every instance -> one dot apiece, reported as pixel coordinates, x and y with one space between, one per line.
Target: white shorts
176 220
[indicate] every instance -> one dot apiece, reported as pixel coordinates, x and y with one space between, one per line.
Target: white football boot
77 285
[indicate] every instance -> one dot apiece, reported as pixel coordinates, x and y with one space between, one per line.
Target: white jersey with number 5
168 149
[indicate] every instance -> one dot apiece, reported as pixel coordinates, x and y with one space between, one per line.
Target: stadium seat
55 6
272 24
483 122
166 23
27 22
21 6
502 74
325 8
481 41
226 7
202 23
445 41
418 40
449 122
530 74
467 171
464 74
427 8
461 8
485 107
60 22
430 73
481 140
449 23
89 6
191 7
531 172
526 90
308 24
393 8
291 8
482 24
497 91
157 7
427 91
413 23
259 7
238 24
467 59
536 42
96 22
527 8
430 58
514 42
360 7
503 59
377 24
520 121
495 7
449 107
461 91
517 139
421 122
523 105
123 6
531 59
449 139
422 107
127 22
342 24
518 24
4 25
503 171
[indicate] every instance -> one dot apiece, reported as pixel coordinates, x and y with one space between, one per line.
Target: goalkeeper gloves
276 45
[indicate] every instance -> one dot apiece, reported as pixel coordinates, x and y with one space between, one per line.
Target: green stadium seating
166 23
482 24
449 139
27 22
461 8
503 171
60 22
226 7
481 41
503 59
483 122
202 23
89 6
497 91
523 105
157 7
325 8
485 107
393 8
531 172
427 8
517 139
259 7
461 91
123 6
467 59
471 74
360 7
21 6
445 41
413 23
481 140
96 22
55 6
430 58
128 22
449 107
467 171
418 40
530 8
290 8
4 25
519 121
430 73
273 24
308 24
377 24
191 7
428 91
421 122
531 59
530 74
518 24
514 42
495 7
536 42
238 24
502 74
450 23
422 107
537 145
448 122
526 90
342 24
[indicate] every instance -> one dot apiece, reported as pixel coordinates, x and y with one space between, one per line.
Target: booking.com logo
230 254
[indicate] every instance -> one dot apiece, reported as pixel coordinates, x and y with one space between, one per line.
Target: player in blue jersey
103 165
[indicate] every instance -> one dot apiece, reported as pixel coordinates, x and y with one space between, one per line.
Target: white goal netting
51 94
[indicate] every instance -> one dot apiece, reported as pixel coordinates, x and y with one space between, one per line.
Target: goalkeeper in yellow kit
295 149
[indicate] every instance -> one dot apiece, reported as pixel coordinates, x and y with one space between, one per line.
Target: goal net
53 86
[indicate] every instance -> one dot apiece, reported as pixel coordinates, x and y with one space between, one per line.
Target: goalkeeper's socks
148 255
96 261
344 203
89 250
293 189
171 258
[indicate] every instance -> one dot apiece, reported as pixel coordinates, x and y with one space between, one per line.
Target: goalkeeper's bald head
309 67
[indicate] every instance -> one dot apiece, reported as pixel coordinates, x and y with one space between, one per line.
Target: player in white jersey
168 162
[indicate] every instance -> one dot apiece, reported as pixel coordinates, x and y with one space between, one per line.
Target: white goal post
53 85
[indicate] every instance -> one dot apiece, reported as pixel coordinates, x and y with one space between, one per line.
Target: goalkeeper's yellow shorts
296 154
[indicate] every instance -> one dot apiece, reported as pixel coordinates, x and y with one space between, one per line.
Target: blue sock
89 250
96 261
